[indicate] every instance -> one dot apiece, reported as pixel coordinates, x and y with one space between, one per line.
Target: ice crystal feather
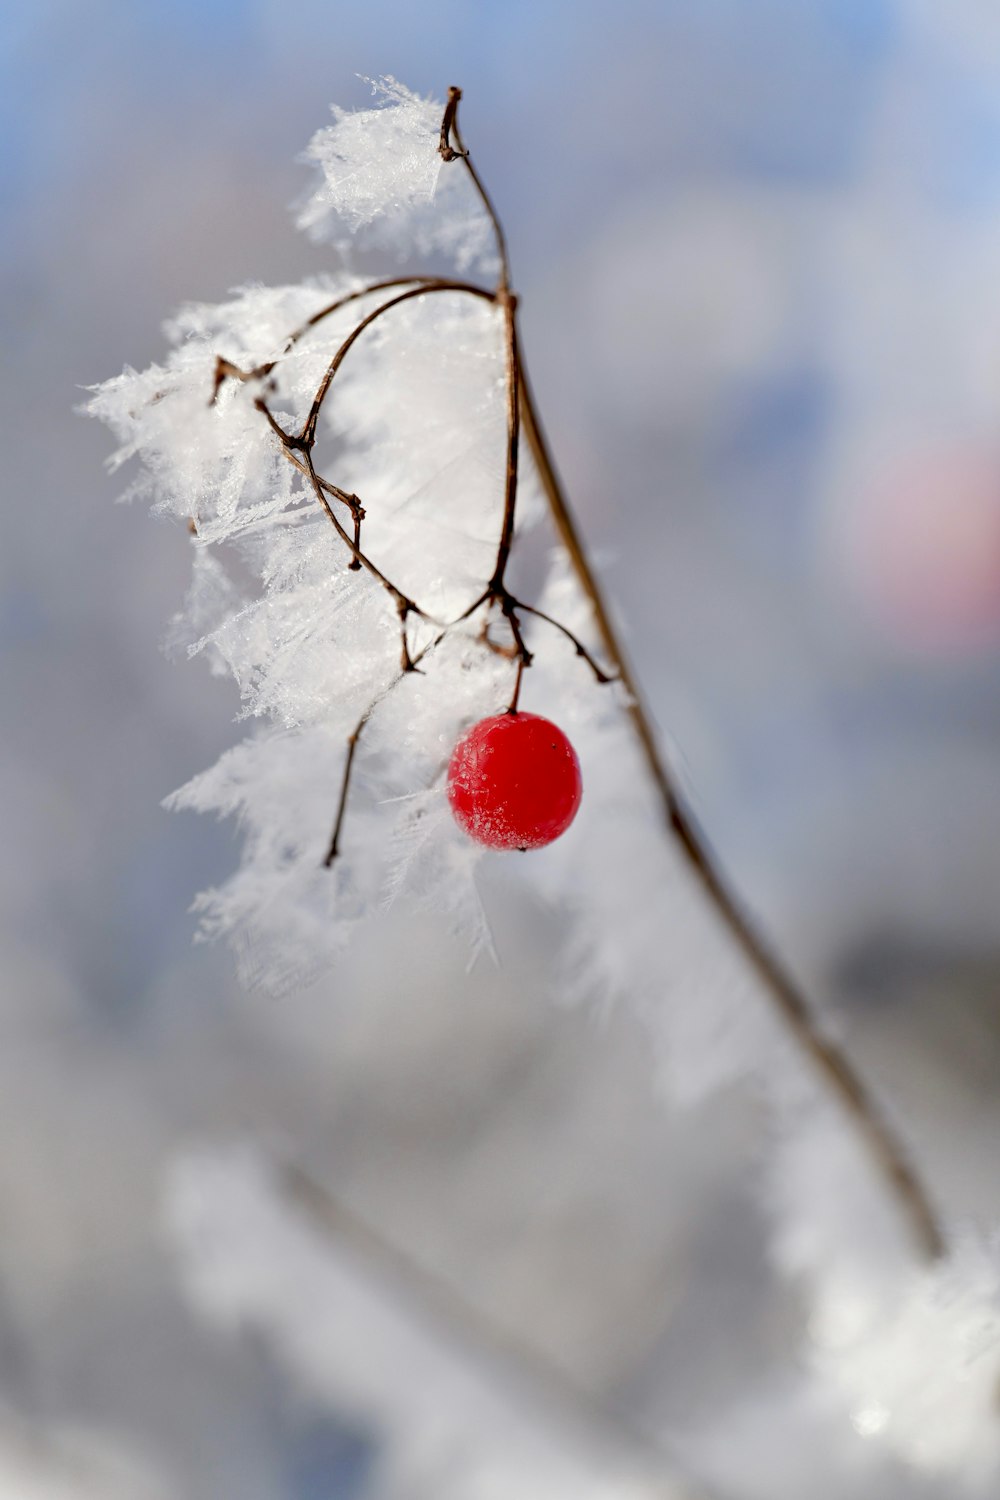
417 427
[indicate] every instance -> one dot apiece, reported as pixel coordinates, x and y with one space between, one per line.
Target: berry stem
516 695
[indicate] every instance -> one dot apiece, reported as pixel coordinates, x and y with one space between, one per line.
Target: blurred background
757 245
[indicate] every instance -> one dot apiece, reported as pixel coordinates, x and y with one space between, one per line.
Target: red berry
514 782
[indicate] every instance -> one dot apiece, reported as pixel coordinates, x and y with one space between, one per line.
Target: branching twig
599 674
451 133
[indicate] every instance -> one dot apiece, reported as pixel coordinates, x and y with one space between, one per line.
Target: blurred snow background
756 242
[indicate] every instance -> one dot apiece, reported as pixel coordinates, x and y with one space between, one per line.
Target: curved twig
429 283
599 674
308 433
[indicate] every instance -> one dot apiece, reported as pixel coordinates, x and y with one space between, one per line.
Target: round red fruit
514 782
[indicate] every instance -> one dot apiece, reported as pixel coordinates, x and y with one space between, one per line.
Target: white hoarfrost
920 1370
384 180
415 425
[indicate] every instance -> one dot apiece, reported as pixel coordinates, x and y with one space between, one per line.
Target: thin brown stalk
225 369
429 283
451 152
886 1149
509 303
600 675
345 783
410 664
308 433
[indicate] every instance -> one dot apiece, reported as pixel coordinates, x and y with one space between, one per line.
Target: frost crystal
384 178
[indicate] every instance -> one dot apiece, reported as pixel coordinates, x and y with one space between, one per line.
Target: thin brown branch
518 677
290 441
305 441
411 664
450 134
506 649
509 607
308 434
599 674
352 745
226 370
406 661
292 445
334 491
446 149
886 1149
509 304
430 283
361 558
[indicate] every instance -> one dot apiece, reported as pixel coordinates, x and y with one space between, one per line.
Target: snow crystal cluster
384 181
415 425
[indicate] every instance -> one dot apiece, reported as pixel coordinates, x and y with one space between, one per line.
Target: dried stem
887 1151
509 304
429 283
225 368
345 784
308 434
451 133
599 674
411 664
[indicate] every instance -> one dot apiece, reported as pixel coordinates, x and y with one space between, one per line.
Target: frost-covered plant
426 426
357 447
